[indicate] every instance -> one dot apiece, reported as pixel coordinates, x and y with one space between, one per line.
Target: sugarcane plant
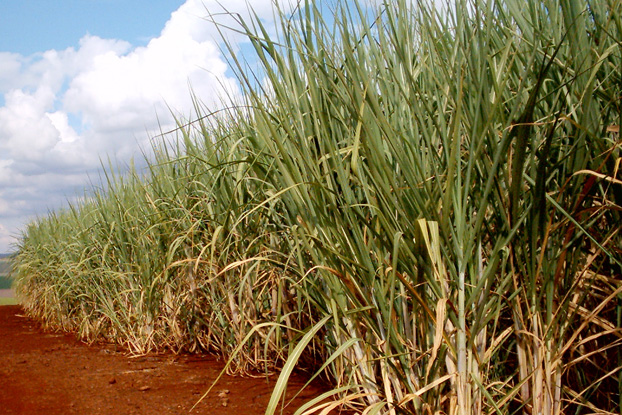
419 200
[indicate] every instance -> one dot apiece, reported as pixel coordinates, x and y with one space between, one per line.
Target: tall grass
435 194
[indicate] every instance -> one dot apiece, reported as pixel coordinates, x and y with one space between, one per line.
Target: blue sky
30 26
86 80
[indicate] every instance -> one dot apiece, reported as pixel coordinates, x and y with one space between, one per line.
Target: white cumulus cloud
62 111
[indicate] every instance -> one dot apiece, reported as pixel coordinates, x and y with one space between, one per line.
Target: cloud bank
63 111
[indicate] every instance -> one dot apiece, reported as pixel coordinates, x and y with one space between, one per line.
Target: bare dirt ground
52 374
6 293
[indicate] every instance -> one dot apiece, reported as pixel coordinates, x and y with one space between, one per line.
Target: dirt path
53 374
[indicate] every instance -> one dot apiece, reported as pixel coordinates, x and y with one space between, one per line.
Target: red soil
52 374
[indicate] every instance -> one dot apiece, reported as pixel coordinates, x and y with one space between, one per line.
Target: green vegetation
432 198
5 267
8 301
5 283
